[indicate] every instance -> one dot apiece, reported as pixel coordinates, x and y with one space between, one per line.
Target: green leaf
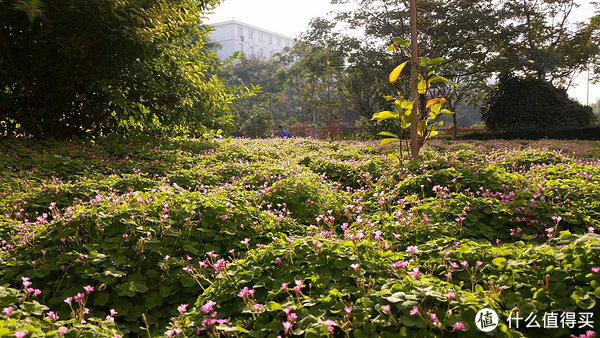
499 262
432 134
433 62
421 127
388 141
401 42
153 300
437 78
421 85
384 115
387 133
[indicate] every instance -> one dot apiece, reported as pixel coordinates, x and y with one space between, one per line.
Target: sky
292 17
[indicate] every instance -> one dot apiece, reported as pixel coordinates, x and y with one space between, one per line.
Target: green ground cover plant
282 238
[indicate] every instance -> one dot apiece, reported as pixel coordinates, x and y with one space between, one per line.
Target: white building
236 36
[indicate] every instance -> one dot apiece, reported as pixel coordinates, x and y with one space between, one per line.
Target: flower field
285 238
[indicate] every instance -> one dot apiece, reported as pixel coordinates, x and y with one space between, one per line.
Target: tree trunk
414 137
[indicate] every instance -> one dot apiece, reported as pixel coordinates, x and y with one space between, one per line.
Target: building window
262 52
251 34
241 48
270 40
240 32
278 42
260 37
251 50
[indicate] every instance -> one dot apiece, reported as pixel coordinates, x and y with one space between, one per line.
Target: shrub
532 104
259 124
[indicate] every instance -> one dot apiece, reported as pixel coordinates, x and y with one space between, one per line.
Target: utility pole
414 120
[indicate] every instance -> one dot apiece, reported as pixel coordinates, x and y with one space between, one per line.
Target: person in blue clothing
283 133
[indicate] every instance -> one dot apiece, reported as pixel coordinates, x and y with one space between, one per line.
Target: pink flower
292 317
113 312
245 241
26 282
68 300
478 263
8 310
283 286
287 326
454 265
415 273
386 309
414 310
224 217
278 260
459 326
434 318
52 316
125 235
169 333
167 257
177 331
287 310
20 334
88 288
412 249
243 292
355 266
62 331
182 308
464 263
596 269
348 309
257 306
450 295
206 308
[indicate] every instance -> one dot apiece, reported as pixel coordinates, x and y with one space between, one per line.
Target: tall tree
75 68
309 70
478 39
461 31
542 40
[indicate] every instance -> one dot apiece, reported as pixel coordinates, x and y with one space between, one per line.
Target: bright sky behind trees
291 17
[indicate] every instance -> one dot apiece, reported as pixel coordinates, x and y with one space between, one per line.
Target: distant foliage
533 104
259 124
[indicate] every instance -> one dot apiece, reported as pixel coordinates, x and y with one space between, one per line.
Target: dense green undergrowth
295 238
